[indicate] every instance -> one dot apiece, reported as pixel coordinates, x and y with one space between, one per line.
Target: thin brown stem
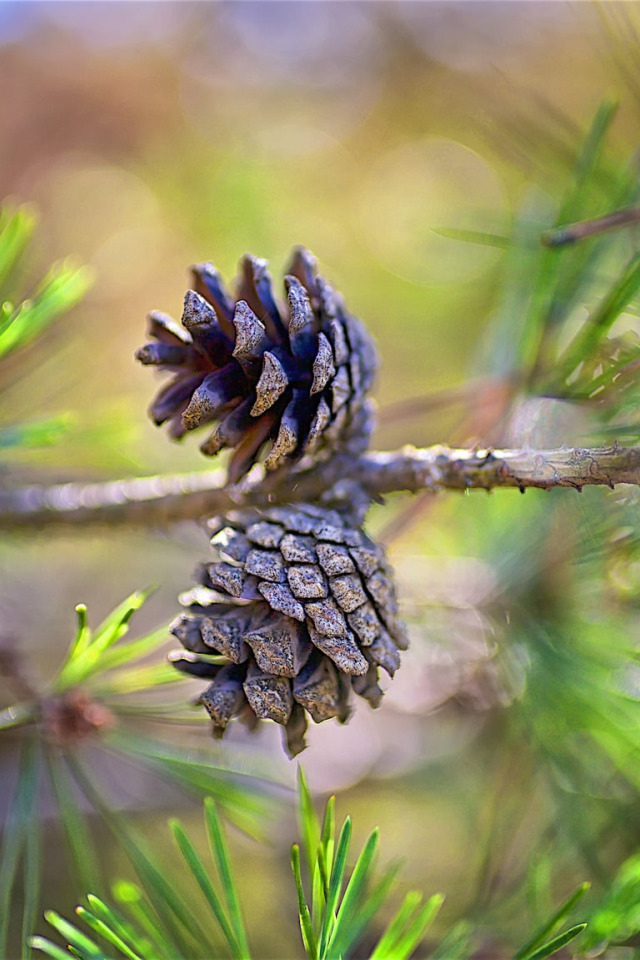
572 232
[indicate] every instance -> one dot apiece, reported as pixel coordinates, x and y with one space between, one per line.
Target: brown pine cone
295 375
302 608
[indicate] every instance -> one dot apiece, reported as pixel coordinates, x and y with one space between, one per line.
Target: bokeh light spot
422 187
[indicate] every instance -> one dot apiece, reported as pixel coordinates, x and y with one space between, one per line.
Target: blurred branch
434 400
160 500
572 232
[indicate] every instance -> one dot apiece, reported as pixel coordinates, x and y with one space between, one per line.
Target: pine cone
296 376
302 608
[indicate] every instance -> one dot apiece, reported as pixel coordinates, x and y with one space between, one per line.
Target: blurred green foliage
162 925
21 322
95 697
503 764
60 289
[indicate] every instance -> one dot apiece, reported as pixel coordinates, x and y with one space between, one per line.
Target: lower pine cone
298 609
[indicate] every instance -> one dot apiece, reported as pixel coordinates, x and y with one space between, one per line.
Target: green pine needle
552 923
88 652
218 847
328 841
82 850
408 926
369 908
63 287
16 230
335 887
623 290
240 797
32 873
15 842
119 926
344 932
43 432
50 949
147 929
107 933
203 880
553 946
306 926
308 823
481 237
86 947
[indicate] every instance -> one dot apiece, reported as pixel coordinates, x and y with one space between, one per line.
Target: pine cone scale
316 689
323 366
256 280
334 559
208 283
307 582
266 564
302 323
296 548
251 339
269 696
271 385
200 320
227 637
279 648
173 398
218 389
280 598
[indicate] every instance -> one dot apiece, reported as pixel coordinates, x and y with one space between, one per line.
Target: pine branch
148 501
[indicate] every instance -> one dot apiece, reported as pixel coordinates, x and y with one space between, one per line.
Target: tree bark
161 500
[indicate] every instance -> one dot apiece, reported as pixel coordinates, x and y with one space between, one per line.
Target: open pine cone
301 606
296 375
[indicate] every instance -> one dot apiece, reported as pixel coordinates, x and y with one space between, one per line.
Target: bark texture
161 500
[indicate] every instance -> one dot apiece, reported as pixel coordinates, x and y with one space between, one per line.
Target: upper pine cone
302 607
296 374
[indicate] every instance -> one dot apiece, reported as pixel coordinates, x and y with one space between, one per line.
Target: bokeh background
154 135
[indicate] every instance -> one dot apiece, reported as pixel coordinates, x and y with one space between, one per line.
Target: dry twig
149 501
